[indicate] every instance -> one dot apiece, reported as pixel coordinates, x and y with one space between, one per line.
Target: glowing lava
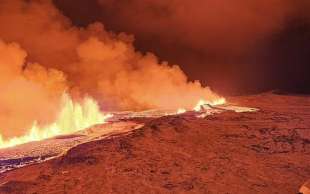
201 103
72 117
77 116
181 111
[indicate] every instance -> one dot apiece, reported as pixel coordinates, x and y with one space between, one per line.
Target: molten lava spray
72 117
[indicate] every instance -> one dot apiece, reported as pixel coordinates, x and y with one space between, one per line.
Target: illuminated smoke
218 28
82 61
28 91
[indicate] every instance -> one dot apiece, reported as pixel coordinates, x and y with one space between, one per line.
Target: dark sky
236 47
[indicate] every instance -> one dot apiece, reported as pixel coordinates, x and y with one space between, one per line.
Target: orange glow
181 111
202 102
72 117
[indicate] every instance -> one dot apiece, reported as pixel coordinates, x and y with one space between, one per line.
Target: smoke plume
219 27
42 55
25 90
219 42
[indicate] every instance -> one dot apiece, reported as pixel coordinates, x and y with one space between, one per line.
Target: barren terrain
267 151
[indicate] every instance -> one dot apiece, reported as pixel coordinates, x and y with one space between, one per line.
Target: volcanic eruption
52 57
113 96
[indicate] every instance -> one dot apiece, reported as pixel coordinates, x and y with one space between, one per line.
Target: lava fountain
73 117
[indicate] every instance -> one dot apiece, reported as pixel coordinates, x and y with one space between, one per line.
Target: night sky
236 48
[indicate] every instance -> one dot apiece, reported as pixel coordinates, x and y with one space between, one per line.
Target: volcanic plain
267 151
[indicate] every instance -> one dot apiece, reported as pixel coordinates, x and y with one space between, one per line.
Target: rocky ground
251 152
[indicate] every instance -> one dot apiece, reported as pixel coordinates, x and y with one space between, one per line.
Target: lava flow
72 117
78 116
201 103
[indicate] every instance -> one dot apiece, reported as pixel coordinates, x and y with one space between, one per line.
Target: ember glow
73 117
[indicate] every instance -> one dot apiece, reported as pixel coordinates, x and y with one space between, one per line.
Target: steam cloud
219 28
216 26
219 41
82 61
25 90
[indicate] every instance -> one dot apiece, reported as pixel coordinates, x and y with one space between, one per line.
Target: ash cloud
42 55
